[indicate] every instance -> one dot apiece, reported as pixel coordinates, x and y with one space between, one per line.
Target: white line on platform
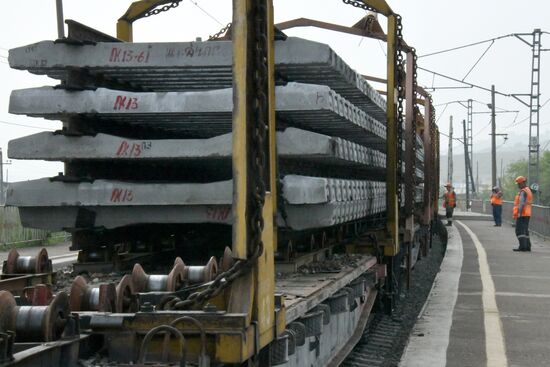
429 339
494 338
509 294
514 276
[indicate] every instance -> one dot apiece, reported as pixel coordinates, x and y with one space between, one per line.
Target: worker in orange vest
522 214
496 202
449 203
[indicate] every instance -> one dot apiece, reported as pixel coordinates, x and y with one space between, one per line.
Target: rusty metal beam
377 33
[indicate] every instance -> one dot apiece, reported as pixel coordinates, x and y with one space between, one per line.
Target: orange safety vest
527 207
496 200
450 199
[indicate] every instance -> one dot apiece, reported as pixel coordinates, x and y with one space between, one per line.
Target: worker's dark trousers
522 233
449 214
497 214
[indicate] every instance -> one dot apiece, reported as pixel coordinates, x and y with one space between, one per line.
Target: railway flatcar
285 193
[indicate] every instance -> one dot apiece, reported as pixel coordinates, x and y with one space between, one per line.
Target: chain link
359 4
400 97
221 32
257 172
163 8
413 152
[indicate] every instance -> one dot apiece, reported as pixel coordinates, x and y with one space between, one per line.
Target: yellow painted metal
264 300
271 117
135 11
253 294
235 348
392 246
239 31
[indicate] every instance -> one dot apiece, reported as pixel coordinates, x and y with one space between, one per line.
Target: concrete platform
489 305
196 66
203 113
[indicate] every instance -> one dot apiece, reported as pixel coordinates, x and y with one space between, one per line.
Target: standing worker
522 214
496 202
449 203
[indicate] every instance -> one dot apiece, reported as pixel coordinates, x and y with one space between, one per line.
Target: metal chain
159 10
433 138
400 96
359 4
221 32
257 161
415 86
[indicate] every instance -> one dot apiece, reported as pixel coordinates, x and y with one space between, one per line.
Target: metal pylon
534 107
450 153
470 141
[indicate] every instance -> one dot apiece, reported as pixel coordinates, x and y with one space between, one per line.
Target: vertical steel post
391 141
450 152
1 178
410 137
493 140
410 158
466 164
534 107
60 20
470 136
247 294
241 121
429 177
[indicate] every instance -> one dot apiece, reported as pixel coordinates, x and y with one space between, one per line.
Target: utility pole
450 153
477 175
470 142
1 178
2 196
466 165
60 24
534 102
493 140
534 106
501 172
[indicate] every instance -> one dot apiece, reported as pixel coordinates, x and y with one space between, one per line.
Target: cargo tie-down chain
159 10
257 160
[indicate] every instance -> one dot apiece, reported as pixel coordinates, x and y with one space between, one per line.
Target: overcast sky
429 25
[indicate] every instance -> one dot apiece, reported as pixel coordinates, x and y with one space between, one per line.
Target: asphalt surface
517 283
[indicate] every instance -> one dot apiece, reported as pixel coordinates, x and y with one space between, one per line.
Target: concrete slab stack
195 66
311 202
163 111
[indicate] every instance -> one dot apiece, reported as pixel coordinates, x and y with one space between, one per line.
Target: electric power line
471 85
23 125
514 123
464 46
478 60
207 13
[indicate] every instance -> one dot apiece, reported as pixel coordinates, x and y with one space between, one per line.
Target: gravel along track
386 336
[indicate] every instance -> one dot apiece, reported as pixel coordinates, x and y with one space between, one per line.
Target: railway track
385 336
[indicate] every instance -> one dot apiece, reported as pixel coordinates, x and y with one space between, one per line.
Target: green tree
509 186
519 168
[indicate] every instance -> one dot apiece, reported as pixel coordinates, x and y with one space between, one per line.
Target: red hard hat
520 179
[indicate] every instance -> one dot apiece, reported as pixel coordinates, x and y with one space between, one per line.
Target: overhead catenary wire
463 82
207 13
478 60
467 45
23 125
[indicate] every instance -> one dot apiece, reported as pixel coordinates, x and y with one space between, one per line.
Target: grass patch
52 239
